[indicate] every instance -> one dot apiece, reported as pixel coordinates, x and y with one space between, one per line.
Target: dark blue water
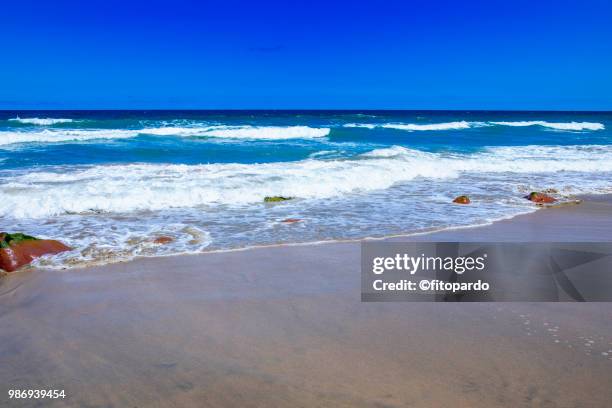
202 149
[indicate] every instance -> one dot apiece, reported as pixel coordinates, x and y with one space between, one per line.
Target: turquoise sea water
108 183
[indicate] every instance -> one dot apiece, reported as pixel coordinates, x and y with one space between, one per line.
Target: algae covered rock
6 239
463 199
275 199
540 198
17 250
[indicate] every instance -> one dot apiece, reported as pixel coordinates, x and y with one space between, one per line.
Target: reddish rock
291 220
540 198
18 249
462 200
163 240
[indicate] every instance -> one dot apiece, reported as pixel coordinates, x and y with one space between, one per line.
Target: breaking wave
64 135
141 187
242 132
237 132
575 126
558 126
40 121
415 127
246 132
431 126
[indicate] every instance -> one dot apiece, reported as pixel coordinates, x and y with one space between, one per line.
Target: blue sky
306 54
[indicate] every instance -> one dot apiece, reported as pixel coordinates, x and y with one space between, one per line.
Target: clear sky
226 54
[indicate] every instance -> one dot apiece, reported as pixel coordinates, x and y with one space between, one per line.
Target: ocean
108 183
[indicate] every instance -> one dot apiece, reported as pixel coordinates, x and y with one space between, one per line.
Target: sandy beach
284 327
334 204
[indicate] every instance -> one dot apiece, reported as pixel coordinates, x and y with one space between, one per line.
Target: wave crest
58 136
558 126
414 127
238 132
139 187
575 126
41 121
243 132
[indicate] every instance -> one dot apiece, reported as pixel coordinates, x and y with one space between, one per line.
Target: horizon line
296 110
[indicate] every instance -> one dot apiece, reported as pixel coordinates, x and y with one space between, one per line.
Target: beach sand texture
284 327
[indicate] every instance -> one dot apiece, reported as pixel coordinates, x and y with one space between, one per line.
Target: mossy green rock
540 198
275 199
17 250
7 239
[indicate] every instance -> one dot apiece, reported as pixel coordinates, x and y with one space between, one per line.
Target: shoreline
501 230
284 326
331 241
442 234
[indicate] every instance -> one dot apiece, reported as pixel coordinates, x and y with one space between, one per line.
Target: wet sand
284 327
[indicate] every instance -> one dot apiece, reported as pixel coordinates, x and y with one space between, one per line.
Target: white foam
414 126
176 131
558 126
103 241
576 126
361 125
431 126
41 121
239 132
63 135
138 187
268 132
